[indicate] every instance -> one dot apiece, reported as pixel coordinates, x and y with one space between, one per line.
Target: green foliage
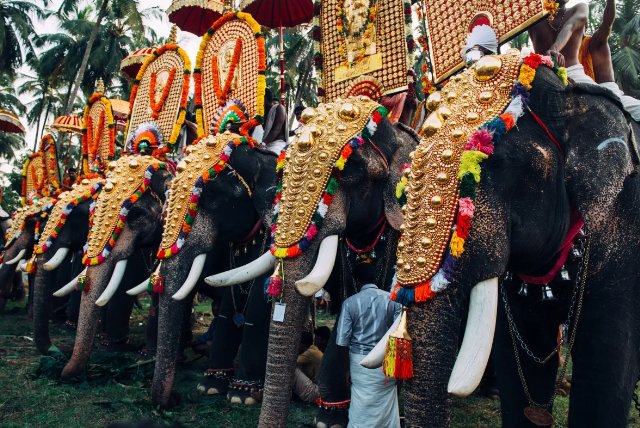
16 33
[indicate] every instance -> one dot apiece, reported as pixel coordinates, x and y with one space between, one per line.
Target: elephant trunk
41 308
284 338
97 278
170 318
6 279
434 327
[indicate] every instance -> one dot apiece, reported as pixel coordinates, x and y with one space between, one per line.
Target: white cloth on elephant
276 146
577 74
630 104
374 397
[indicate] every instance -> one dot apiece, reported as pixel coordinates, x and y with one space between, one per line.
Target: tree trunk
284 339
434 327
85 58
35 142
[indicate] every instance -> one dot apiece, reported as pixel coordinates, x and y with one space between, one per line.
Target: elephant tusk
57 259
114 282
70 286
22 266
140 288
478 339
192 278
259 266
312 283
375 357
16 259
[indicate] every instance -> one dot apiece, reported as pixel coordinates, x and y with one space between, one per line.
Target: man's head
364 271
298 112
322 337
72 173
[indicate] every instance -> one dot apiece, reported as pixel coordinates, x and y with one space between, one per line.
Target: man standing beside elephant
364 319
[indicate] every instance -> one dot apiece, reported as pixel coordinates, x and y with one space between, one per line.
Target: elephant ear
407 140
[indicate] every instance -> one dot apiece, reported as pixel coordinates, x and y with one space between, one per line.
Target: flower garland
91 193
89 146
156 107
122 216
47 152
479 147
366 31
262 67
223 93
196 192
551 7
182 110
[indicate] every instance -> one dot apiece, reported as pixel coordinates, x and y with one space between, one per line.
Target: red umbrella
278 14
132 63
195 16
9 122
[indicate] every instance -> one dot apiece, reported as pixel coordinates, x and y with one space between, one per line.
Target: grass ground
116 389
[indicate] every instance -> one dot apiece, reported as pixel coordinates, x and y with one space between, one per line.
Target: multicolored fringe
147 135
356 142
233 111
82 284
196 191
479 147
91 193
398 357
122 216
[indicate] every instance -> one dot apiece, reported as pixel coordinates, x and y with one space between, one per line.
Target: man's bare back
599 46
562 36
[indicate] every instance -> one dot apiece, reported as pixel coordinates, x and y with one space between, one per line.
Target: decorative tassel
31 265
156 282
274 286
82 284
398 359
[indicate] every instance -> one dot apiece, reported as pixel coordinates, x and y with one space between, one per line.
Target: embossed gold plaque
470 99
22 214
124 177
310 159
64 199
449 23
200 158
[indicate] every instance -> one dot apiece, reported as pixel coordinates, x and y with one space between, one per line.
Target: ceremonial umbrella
72 124
279 14
120 110
132 63
195 16
9 122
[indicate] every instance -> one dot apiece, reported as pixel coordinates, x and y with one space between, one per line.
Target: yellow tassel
398 361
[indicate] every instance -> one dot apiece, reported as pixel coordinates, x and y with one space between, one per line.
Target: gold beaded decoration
124 176
310 159
449 23
432 187
200 157
22 214
64 199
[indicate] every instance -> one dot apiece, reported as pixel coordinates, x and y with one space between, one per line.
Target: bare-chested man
600 52
561 37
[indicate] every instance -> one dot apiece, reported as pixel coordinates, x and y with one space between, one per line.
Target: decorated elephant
339 177
570 164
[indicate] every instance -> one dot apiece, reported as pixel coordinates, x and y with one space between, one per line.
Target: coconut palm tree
46 102
16 31
125 10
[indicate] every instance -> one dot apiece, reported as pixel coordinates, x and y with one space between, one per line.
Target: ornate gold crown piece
124 178
310 160
469 100
22 214
200 158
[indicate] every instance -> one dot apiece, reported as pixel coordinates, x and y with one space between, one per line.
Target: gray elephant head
570 157
339 200
127 216
231 202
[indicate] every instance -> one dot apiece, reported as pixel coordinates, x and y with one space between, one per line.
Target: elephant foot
215 381
245 392
332 415
71 370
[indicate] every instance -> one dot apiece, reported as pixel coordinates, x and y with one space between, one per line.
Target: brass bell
182 165
547 294
432 124
349 112
108 187
524 290
306 140
307 115
133 164
433 101
113 165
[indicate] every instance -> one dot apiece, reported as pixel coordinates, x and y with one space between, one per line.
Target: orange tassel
398 360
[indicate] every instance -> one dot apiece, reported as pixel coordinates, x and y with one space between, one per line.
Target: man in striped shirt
364 319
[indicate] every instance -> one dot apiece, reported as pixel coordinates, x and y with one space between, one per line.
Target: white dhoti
374 398
577 74
630 104
276 146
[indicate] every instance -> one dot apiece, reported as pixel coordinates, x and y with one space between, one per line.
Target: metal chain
512 324
582 281
232 265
